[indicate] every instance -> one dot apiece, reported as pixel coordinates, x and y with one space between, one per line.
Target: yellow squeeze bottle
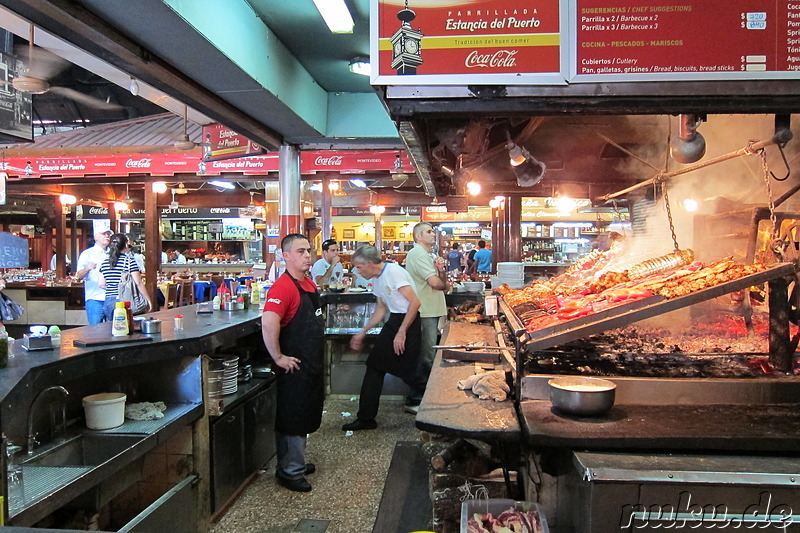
119 322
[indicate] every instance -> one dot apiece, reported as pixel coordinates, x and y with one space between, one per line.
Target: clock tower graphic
406 53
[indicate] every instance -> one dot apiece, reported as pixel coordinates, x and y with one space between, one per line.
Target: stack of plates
511 273
215 383
230 376
223 375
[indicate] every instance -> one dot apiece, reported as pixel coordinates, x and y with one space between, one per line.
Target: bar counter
202 333
160 367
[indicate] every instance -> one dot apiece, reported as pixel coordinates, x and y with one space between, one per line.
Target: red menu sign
344 162
686 40
224 143
467 41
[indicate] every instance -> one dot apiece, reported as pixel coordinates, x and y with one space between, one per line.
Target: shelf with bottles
236 229
538 244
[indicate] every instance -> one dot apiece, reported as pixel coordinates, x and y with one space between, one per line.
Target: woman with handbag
117 272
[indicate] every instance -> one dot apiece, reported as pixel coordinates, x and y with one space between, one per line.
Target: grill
703 403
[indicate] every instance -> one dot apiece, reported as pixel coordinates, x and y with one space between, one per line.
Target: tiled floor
348 484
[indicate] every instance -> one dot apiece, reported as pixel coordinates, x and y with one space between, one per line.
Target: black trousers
371 388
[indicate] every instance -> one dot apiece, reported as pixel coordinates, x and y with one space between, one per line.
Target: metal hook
785 163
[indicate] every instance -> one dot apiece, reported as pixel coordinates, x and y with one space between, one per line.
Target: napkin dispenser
42 342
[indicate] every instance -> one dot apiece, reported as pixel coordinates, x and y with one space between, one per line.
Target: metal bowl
582 396
151 326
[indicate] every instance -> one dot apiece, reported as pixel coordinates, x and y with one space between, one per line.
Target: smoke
737 184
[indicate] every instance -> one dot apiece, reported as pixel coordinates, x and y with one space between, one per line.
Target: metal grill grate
173 412
38 482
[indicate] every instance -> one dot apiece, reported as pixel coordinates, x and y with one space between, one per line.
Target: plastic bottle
129 313
119 322
3 346
255 297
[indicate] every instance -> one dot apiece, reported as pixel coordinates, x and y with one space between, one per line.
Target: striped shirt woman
111 269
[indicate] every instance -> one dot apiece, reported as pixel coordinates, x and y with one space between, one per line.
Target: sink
83 450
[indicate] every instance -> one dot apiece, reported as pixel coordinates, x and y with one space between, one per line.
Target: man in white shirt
396 349
89 271
328 268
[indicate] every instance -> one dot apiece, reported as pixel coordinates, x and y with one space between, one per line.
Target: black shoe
297 485
358 424
412 403
310 468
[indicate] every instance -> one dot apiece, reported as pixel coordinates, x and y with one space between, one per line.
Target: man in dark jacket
293 330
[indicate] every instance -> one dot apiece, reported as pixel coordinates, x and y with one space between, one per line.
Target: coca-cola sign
330 161
138 163
501 58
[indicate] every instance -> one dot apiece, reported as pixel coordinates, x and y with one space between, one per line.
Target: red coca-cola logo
501 58
138 163
333 160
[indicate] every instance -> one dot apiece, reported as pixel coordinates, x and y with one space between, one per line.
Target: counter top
763 428
446 410
202 333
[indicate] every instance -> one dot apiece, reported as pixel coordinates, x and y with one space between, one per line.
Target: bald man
89 271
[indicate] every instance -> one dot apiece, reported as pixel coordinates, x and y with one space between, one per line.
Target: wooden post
152 239
61 239
514 237
113 218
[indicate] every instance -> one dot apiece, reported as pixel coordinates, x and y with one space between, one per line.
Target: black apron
382 356
302 392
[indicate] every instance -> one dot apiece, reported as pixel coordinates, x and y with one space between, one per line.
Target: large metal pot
582 396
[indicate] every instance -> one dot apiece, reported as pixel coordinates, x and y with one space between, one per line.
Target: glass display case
346 313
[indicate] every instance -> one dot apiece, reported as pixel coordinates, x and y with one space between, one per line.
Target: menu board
632 40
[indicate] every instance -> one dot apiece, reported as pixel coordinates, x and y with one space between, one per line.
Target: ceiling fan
42 66
183 142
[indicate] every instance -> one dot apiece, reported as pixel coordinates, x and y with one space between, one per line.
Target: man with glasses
328 269
88 270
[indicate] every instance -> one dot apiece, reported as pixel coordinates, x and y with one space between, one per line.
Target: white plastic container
105 410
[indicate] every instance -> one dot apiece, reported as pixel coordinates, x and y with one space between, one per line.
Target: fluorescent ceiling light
222 184
358 182
336 15
360 65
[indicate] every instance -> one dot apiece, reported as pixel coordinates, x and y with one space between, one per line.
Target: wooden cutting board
87 343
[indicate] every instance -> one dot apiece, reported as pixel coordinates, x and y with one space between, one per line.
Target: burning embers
718 348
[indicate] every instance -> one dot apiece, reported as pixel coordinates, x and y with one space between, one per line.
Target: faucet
31 438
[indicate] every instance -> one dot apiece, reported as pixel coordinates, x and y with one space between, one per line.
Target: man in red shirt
293 330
